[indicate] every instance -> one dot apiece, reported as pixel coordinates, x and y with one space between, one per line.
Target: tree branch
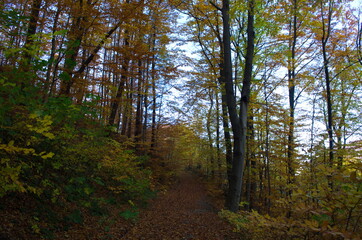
215 6
96 49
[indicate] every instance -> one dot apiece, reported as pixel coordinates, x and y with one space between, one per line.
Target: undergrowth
58 167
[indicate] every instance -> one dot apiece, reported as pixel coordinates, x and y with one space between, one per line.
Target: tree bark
251 165
33 23
238 122
139 108
235 182
218 153
154 104
75 37
325 37
116 101
47 89
209 133
291 88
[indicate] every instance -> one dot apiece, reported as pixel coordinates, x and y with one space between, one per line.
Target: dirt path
183 213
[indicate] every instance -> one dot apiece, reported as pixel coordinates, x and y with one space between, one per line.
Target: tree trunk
219 161
235 182
226 130
209 133
139 108
33 23
116 101
250 166
326 33
154 104
129 109
238 123
75 37
47 89
291 88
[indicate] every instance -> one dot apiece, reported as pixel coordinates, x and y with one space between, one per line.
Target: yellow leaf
48 155
49 135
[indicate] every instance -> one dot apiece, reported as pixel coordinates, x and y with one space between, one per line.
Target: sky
190 48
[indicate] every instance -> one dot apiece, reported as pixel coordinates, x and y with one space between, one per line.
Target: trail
183 213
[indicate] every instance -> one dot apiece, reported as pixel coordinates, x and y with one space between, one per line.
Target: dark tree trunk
145 115
267 150
33 24
47 88
238 123
129 109
291 87
227 136
154 104
139 112
235 182
75 37
251 165
117 100
326 33
29 43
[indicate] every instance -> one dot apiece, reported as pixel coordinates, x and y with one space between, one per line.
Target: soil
185 212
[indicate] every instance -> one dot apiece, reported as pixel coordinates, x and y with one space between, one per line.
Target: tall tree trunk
291 88
154 104
124 76
326 30
29 43
226 129
266 164
139 112
251 165
75 37
235 178
209 132
218 153
359 41
52 89
238 123
129 109
227 136
146 103
33 24
47 89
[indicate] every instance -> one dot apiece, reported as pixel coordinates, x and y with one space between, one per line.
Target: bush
255 226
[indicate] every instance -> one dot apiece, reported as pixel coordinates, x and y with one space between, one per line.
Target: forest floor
185 212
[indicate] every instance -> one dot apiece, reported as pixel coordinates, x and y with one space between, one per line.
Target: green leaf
129 214
88 190
60 32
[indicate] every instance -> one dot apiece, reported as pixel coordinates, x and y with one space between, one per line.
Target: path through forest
185 212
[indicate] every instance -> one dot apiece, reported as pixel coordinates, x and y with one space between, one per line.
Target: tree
238 121
326 31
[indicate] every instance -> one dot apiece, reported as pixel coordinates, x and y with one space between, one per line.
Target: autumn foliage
104 103
301 164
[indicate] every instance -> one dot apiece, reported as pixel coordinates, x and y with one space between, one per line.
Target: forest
105 105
